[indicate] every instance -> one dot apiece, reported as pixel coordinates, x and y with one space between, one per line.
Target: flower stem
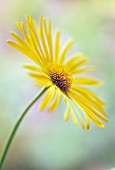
18 122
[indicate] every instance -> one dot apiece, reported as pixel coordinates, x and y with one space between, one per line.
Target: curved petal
57 46
87 109
55 102
43 39
87 81
41 79
87 91
67 113
74 118
80 117
87 97
65 50
78 63
33 68
47 97
82 70
21 27
24 51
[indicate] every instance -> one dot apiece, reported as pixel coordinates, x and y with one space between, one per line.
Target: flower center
60 77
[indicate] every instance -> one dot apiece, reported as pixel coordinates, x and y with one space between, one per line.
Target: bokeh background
44 141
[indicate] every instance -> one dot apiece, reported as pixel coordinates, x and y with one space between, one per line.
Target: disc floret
60 77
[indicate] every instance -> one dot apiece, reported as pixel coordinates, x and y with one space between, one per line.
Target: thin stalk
18 122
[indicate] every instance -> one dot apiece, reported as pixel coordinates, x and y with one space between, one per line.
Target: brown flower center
60 77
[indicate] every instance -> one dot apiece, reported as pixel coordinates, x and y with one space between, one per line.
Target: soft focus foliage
44 141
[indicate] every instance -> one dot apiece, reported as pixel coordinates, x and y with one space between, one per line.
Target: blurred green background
44 141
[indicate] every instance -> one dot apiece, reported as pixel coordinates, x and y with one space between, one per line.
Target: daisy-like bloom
61 76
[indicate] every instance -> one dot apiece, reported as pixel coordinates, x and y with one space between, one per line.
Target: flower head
60 75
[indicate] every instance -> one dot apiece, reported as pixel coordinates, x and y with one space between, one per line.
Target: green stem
19 120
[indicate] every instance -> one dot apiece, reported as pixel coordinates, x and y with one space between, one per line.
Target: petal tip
40 108
102 126
9 41
66 118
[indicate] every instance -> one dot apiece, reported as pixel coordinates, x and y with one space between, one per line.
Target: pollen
60 77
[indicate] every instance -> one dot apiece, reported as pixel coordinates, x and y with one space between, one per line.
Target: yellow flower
60 75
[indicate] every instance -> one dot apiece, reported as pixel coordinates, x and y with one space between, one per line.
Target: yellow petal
34 39
19 39
36 27
57 46
82 70
87 81
87 109
67 113
43 39
33 68
95 120
74 118
23 50
22 28
50 37
18 25
91 115
91 93
43 82
24 32
38 76
47 98
89 99
55 102
81 119
41 79
78 63
48 33
74 58
87 122
88 105
27 47
66 49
